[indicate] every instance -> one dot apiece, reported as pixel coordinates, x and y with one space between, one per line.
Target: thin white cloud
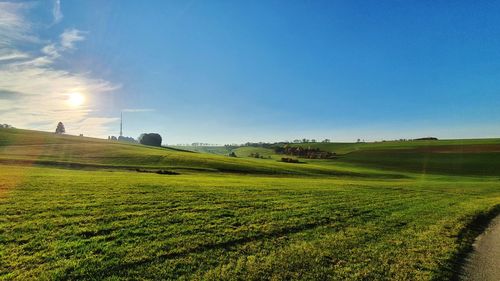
51 50
56 11
33 91
13 27
12 55
70 36
138 110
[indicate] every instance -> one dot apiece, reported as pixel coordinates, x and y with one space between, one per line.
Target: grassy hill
245 151
219 150
42 148
75 208
458 157
492 144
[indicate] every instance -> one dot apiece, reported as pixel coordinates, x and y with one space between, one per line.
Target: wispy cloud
13 26
56 11
67 42
34 91
138 110
51 50
70 36
6 55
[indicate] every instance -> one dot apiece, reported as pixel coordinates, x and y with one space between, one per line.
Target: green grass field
218 150
245 151
451 157
75 208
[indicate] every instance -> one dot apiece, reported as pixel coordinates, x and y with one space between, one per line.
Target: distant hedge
427 138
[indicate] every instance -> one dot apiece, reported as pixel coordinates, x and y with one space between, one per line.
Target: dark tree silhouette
152 139
60 128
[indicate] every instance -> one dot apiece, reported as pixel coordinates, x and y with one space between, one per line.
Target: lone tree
60 128
152 139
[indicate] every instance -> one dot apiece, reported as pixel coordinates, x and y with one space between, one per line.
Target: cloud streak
33 91
69 37
12 55
67 42
56 11
13 27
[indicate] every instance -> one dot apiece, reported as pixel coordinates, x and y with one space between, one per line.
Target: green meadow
82 208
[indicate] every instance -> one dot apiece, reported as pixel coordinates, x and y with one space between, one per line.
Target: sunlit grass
225 218
80 224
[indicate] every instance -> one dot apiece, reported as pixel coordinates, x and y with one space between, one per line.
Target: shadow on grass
160 172
122 268
453 269
234 169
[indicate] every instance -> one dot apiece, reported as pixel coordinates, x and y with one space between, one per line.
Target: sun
76 99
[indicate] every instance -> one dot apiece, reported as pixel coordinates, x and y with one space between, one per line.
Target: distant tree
313 140
255 155
326 140
6 126
60 128
359 140
152 139
232 154
427 138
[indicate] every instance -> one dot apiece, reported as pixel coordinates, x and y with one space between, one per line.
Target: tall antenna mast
121 124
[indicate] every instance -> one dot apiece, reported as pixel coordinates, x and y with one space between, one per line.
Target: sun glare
76 99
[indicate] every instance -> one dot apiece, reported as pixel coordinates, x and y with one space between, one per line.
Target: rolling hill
42 148
458 157
77 208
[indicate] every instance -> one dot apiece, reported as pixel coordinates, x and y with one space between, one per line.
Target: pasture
75 208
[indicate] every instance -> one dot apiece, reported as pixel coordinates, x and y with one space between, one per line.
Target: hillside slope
385 159
456 145
457 157
34 147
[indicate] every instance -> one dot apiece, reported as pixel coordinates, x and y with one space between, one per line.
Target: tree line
6 126
310 153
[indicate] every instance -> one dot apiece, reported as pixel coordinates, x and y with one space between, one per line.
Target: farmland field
77 208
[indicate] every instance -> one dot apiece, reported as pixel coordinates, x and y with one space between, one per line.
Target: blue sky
237 71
